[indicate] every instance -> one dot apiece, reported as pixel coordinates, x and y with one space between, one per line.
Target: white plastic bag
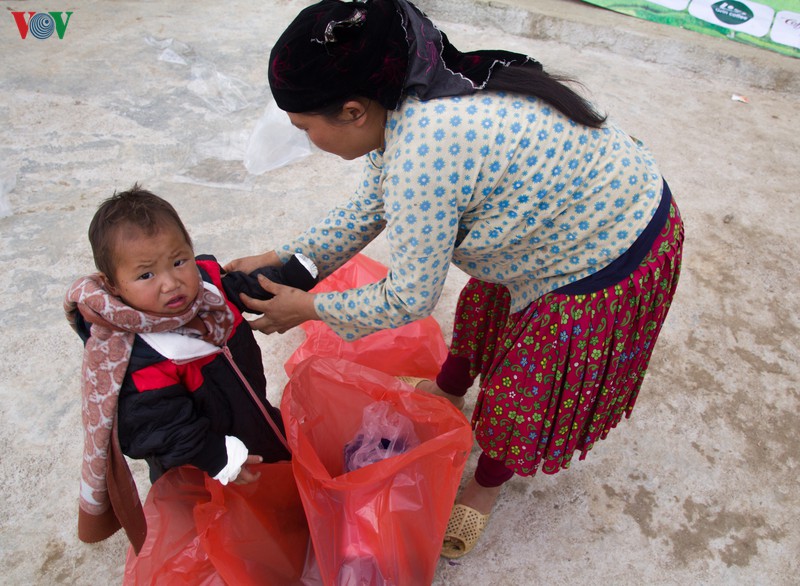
274 142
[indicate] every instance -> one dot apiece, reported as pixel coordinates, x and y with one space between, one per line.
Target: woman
485 161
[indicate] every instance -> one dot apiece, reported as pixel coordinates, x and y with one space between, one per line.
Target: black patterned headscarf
378 49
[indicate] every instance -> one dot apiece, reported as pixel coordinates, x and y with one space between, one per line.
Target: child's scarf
108 496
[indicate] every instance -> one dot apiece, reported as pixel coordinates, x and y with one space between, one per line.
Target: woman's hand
248 264
288 308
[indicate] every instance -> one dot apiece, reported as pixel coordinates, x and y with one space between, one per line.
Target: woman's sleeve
420 210
346 229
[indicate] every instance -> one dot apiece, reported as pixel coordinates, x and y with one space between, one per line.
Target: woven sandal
411 380
463 530
414 381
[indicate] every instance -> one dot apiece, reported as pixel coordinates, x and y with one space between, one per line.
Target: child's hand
245 476
248 264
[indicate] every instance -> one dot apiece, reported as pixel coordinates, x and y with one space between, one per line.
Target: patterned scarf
378 49
108 496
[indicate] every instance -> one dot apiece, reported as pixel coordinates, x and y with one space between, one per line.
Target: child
172 372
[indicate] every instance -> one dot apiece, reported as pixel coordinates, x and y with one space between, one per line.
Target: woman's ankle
480 498
431 387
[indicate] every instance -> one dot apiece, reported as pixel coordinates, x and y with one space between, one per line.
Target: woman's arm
346 229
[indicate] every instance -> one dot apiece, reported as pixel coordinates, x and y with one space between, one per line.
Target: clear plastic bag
222 93
274 142
8 181
384 433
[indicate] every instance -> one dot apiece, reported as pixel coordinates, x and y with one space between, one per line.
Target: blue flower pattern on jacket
502 186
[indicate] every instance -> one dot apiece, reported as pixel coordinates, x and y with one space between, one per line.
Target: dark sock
490 473
454 378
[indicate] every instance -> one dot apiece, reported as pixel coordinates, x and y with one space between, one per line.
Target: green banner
770 24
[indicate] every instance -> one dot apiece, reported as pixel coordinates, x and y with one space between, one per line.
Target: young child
172 373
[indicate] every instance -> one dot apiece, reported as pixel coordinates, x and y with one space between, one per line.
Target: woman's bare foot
479 497
431 387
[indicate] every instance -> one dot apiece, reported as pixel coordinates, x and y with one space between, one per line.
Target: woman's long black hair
523 80
550 88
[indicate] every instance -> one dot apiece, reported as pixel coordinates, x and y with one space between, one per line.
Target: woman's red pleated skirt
560 374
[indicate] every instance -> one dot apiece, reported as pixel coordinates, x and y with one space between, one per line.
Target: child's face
156 274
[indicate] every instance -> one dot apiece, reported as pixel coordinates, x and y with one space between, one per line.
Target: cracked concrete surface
699 486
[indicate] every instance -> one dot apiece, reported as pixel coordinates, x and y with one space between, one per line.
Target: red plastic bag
383 523
415 349
200 532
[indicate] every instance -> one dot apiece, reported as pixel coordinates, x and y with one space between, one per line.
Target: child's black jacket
173 413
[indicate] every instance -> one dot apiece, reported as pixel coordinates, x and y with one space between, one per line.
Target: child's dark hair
136 208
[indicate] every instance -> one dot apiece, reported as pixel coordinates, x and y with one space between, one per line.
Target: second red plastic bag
415 349
200 533
383 523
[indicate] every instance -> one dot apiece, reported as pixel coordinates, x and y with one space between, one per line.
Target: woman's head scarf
377 49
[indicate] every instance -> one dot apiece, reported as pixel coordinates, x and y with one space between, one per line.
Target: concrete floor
699 487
